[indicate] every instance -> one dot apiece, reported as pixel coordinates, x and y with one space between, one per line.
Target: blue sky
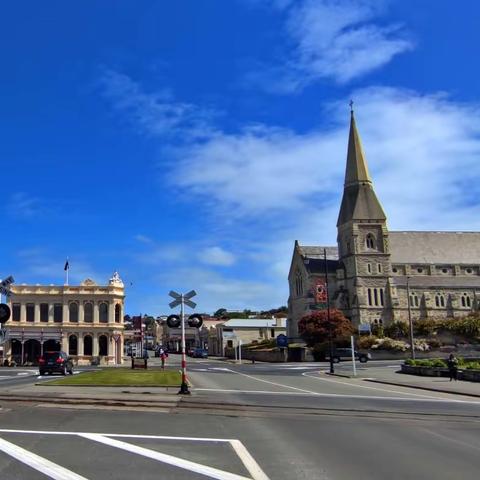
189 143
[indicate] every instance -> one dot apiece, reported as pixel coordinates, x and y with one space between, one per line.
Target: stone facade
85 321
371 269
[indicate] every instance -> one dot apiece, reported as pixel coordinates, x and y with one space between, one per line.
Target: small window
444 270
370 241
379 267
30 312
420 270
88 313
381 297
73 312
229 343
58 313
469 270
44 312
394 270
369 267
16 312
369 292
272 332
375 296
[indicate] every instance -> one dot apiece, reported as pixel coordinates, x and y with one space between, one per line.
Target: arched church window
466 301
439 300
370 241
299 284
414 300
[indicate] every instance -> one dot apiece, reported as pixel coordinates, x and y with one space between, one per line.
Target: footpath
392 376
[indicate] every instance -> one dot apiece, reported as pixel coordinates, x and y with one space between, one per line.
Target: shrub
426 326
397 329
434 343
367 341
390 344
378 330
473 366
434 362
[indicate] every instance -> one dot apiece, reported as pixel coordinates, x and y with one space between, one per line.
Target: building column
111 312
96 314
110 348
120 347
36 317
65 313
80 345
81 314
23 312
95 343
65 342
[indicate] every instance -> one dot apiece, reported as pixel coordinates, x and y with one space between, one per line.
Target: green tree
220 313
314 328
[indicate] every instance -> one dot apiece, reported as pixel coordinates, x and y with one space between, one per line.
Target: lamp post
330 335
410 323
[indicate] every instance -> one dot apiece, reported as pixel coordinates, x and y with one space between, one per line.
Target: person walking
163 357
452 364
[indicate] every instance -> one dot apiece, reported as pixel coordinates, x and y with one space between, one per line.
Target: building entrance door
31 351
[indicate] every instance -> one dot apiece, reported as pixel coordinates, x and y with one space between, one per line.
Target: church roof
359 201
437 281
317 252
435 247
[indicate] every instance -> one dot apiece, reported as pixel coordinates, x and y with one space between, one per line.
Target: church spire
357 169
359 201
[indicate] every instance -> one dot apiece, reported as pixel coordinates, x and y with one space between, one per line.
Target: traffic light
173 321
195 320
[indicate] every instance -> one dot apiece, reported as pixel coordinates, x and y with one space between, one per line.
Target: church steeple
357 169
359 201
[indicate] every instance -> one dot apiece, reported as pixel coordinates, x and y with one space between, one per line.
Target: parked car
58 362
200 353
340 354
190 352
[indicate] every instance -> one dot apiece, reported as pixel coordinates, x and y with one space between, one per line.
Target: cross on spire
351 106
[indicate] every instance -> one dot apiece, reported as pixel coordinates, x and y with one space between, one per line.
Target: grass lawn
122 377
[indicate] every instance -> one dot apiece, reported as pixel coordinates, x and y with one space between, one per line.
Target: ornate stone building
374 272
86 321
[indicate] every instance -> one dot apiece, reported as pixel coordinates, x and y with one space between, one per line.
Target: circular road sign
5 312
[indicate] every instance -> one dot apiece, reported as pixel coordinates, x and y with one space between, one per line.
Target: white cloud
143 239
332 39
217 256
156 113
24 206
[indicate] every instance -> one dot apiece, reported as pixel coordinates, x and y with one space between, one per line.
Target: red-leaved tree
314 328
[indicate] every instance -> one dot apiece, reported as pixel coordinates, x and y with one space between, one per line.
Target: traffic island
121 377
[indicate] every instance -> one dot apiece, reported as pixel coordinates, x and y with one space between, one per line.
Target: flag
67 266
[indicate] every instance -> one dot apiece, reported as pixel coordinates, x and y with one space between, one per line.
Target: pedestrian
163 357
452 364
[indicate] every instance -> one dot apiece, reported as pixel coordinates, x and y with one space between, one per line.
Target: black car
340 354
58 362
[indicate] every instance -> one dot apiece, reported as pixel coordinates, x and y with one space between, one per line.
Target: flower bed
437 367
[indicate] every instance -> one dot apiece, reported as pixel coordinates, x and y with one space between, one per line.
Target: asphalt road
283 421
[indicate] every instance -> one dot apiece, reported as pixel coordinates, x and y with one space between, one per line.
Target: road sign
7 281
282 341
190 295
175 295
3 335
186 299
5 291
5 313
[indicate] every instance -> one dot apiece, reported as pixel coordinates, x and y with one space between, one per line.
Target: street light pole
330 335
410 323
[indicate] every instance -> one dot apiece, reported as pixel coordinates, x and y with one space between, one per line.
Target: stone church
376 275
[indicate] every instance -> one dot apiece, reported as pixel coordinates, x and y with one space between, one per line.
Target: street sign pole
184 386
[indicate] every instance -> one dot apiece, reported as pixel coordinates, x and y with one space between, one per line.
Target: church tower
362 242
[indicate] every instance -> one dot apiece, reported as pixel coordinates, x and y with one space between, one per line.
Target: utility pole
330 334
410 323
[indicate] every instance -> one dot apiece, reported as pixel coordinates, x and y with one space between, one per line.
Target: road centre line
424 399
165 458
367 386
48 468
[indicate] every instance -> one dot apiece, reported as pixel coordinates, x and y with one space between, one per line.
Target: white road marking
250 464
24 373
424 399
221 369
164 458
109 439
331 380
48 468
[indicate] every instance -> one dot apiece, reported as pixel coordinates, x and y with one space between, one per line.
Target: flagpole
67 268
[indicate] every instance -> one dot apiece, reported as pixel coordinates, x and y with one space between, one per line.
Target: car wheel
70 372
64 371
336 359
42 373
363 359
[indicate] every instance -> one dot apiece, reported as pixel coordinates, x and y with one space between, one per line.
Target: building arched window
88 312
414 302
73 312
370 241
118 313
103 345
466 301
298 284
103 312
439 300
72 345
87 345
